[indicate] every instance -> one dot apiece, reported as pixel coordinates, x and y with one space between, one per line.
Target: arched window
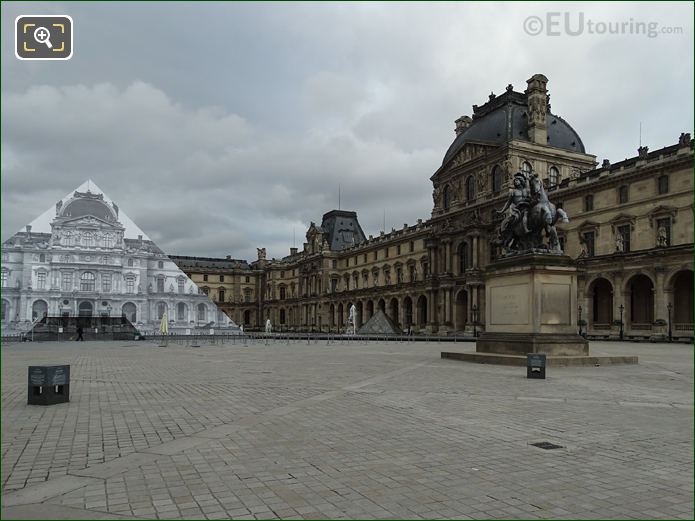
88 240
181 283
108 241
470 188
129 311
526 167
202 312
39 309
130 262
220 295
553 176
87 281
161 308
446 197
496 179
160 284
160 264
181 311
282 316
42 257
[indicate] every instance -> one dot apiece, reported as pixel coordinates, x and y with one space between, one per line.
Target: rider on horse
518 204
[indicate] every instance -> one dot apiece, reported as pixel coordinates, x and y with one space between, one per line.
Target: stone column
618 299
469 305
660 296
481 308
431 304
474 252
447 252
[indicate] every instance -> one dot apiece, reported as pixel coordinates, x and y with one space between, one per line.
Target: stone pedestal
531 307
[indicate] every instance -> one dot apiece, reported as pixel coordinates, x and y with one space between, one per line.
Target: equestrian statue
529 213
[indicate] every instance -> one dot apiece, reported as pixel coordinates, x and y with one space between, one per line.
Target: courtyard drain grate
547 445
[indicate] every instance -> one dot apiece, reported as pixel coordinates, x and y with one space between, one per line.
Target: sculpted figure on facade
619 244
435 195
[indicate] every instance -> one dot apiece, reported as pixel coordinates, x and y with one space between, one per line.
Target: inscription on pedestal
555 303
509 304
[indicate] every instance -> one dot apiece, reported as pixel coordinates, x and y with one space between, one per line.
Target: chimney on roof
462 124
293 251
228 257
28 231
537 100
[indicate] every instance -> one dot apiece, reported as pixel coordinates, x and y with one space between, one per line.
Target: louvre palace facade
630 232
87 266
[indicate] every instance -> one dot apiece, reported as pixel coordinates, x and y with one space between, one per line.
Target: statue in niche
662 237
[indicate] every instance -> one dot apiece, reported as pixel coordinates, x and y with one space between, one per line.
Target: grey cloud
242 133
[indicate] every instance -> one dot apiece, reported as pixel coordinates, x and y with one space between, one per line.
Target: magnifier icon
42 35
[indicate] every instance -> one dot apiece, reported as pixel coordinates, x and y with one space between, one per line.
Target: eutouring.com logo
557 23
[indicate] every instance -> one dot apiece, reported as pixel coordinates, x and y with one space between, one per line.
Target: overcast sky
223 127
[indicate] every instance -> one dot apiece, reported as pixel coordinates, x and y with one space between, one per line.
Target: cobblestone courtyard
385 430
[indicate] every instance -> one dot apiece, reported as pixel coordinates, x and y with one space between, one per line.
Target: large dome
84 205
505 118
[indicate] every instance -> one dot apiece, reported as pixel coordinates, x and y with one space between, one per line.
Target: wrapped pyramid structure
85 259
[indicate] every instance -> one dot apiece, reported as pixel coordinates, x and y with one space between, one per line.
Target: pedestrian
79 333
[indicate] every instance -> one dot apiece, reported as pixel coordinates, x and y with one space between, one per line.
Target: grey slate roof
504 118
342 230
184 261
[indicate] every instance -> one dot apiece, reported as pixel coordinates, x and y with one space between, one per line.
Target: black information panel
48 384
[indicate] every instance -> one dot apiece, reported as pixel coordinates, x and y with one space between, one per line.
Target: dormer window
496 179
663 184
470 188
553 176
623 194
446 197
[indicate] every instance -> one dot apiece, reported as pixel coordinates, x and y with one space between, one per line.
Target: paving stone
384 430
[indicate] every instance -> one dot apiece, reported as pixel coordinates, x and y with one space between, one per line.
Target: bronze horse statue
542 217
